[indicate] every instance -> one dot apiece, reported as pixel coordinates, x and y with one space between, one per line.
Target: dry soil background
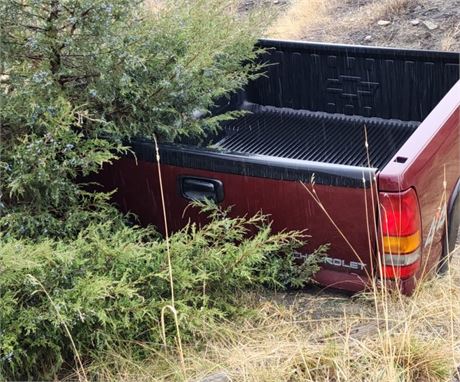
424 24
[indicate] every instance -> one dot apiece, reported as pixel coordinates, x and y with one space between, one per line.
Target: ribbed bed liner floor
315 136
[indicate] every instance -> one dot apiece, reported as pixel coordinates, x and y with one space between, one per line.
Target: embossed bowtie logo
351 86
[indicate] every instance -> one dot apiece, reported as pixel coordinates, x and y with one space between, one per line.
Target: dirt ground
417 24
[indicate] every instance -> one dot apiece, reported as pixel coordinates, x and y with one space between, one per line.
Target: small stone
430 25
383 23
368 38
415 22
276 2
217 377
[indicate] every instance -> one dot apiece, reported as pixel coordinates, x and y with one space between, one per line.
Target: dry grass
305 15
372 11
351 21
390 8
373 337
302 14
154 5
451 38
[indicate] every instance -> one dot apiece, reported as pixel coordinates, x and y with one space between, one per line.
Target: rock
368 38
430 25
217 377
415 22
383 23
276 2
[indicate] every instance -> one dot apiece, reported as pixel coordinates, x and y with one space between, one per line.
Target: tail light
401 234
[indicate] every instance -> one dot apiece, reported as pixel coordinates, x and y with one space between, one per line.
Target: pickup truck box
359 145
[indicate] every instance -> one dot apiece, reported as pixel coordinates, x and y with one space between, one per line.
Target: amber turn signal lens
401 244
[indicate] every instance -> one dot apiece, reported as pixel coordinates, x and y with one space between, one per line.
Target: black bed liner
309 112
315 136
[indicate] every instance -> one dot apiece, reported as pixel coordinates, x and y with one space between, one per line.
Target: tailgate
257 183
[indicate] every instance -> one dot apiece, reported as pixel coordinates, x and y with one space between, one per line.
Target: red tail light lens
399 213
394 272
401 234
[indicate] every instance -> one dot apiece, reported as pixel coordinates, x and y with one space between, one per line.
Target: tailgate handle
194 188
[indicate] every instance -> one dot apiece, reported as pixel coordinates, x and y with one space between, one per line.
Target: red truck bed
300 155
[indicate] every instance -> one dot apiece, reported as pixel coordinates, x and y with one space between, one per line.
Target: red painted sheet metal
436 142
287 202
433 157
